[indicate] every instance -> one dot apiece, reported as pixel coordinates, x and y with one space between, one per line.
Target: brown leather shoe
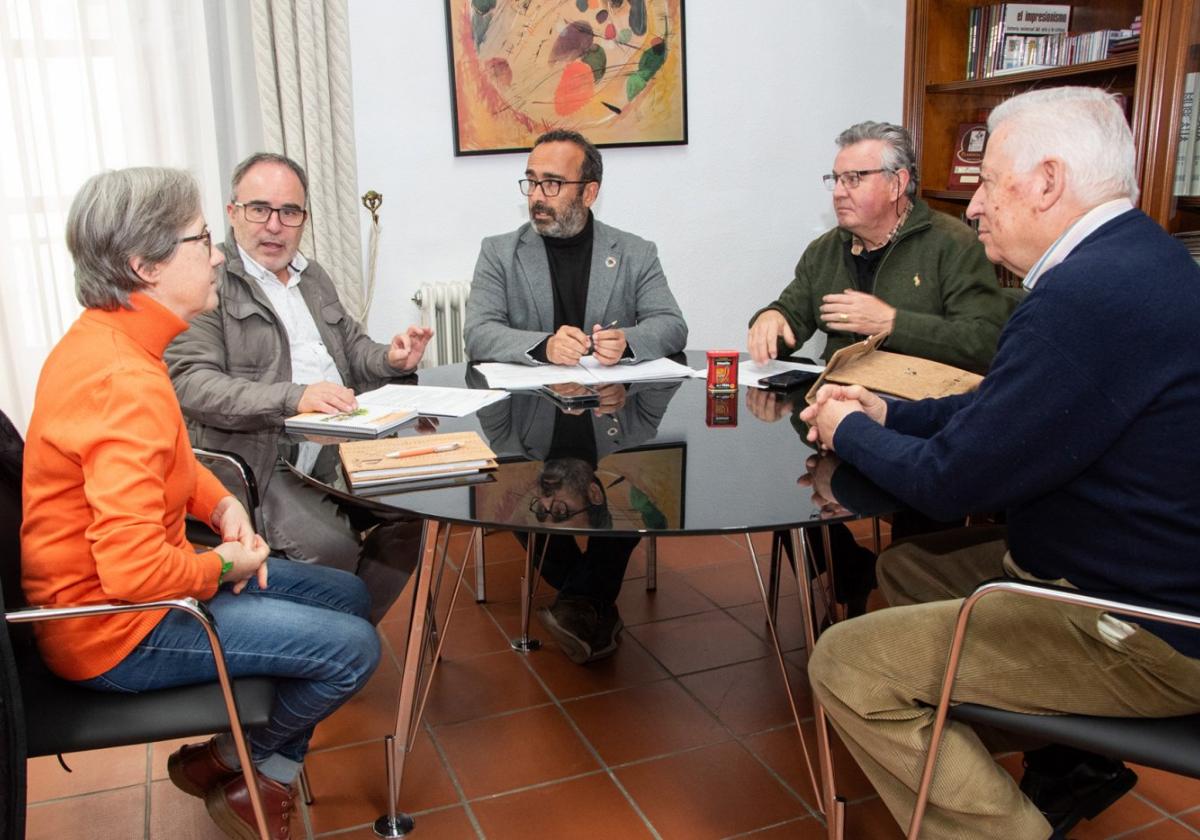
197 768
229 807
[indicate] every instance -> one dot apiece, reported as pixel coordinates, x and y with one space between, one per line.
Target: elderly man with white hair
1081 432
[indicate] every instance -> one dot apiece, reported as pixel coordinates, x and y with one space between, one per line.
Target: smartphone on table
789 380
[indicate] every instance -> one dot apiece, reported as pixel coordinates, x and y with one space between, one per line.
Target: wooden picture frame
613 70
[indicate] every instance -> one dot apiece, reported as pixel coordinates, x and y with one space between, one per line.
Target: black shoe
1076 793
585 631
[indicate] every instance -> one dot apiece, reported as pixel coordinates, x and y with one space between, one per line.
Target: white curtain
89 85
302 60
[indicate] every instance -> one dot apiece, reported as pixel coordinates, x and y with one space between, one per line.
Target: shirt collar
295 268
1083 227
858 246
146 322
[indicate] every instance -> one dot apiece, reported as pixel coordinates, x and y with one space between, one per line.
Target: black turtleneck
570 261
570 269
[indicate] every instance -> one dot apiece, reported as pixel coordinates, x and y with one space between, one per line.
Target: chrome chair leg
524 643
651 544
305 787
480 573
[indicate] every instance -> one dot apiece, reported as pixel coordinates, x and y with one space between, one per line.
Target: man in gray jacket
558 288
280 343
564 285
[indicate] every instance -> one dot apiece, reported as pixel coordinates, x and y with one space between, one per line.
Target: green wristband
226 567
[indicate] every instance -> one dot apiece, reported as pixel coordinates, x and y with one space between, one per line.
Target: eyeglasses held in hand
204 236
260 213
850 179
550 186
558 510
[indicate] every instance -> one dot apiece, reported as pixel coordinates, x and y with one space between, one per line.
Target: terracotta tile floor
683 734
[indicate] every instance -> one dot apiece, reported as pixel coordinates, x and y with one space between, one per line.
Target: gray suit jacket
511 306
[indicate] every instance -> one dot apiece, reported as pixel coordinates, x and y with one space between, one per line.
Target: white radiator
444 307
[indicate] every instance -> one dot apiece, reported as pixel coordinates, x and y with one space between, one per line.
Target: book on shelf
967 156
1007 38
1185 157
371 463
1035 18
364 421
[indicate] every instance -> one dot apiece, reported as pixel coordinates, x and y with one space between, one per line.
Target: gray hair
898 151
122 215
1085 127
245 166
593 164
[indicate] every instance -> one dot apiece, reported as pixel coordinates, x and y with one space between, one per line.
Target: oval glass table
670 459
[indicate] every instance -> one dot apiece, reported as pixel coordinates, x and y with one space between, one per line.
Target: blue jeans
308 627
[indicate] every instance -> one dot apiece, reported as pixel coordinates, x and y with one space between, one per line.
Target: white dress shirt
311 362
1084 227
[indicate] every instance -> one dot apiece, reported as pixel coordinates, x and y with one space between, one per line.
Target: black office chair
1171 744
235 474
45 715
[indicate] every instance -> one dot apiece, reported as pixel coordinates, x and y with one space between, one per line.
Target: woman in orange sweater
109 479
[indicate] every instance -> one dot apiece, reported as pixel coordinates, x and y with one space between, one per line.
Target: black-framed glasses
850 179
550 186
260 213
557 512
204 236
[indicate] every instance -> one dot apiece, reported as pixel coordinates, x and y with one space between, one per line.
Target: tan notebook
373 462
893 373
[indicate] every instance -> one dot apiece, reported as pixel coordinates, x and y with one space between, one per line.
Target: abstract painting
612 70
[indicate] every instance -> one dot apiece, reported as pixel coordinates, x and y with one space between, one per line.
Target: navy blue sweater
1086 428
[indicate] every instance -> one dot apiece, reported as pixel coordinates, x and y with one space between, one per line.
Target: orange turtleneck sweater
109 478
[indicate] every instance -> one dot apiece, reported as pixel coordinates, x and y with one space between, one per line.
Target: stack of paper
589 370
428 399
385 408
372 463
364 421
751 373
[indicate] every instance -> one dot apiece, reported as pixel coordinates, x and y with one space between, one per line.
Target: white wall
770 83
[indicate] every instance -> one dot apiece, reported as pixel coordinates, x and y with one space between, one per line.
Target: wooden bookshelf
938 96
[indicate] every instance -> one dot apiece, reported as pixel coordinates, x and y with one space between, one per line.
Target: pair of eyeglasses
550 186
260 213
558 510
850 179
204 236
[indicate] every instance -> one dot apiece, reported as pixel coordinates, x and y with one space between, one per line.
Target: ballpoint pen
411 453
608 327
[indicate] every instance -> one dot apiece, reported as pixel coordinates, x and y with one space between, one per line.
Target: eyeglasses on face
259 213
850 179
550 186
558 510
204 236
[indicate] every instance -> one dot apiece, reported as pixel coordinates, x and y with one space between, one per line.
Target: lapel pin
611 262
916 279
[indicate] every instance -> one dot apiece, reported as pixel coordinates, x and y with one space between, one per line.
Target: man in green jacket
891 265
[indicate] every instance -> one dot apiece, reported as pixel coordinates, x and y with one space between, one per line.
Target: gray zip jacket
232 368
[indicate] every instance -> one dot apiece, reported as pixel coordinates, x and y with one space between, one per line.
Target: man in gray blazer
564 284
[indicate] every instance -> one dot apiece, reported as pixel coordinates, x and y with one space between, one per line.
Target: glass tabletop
662 458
